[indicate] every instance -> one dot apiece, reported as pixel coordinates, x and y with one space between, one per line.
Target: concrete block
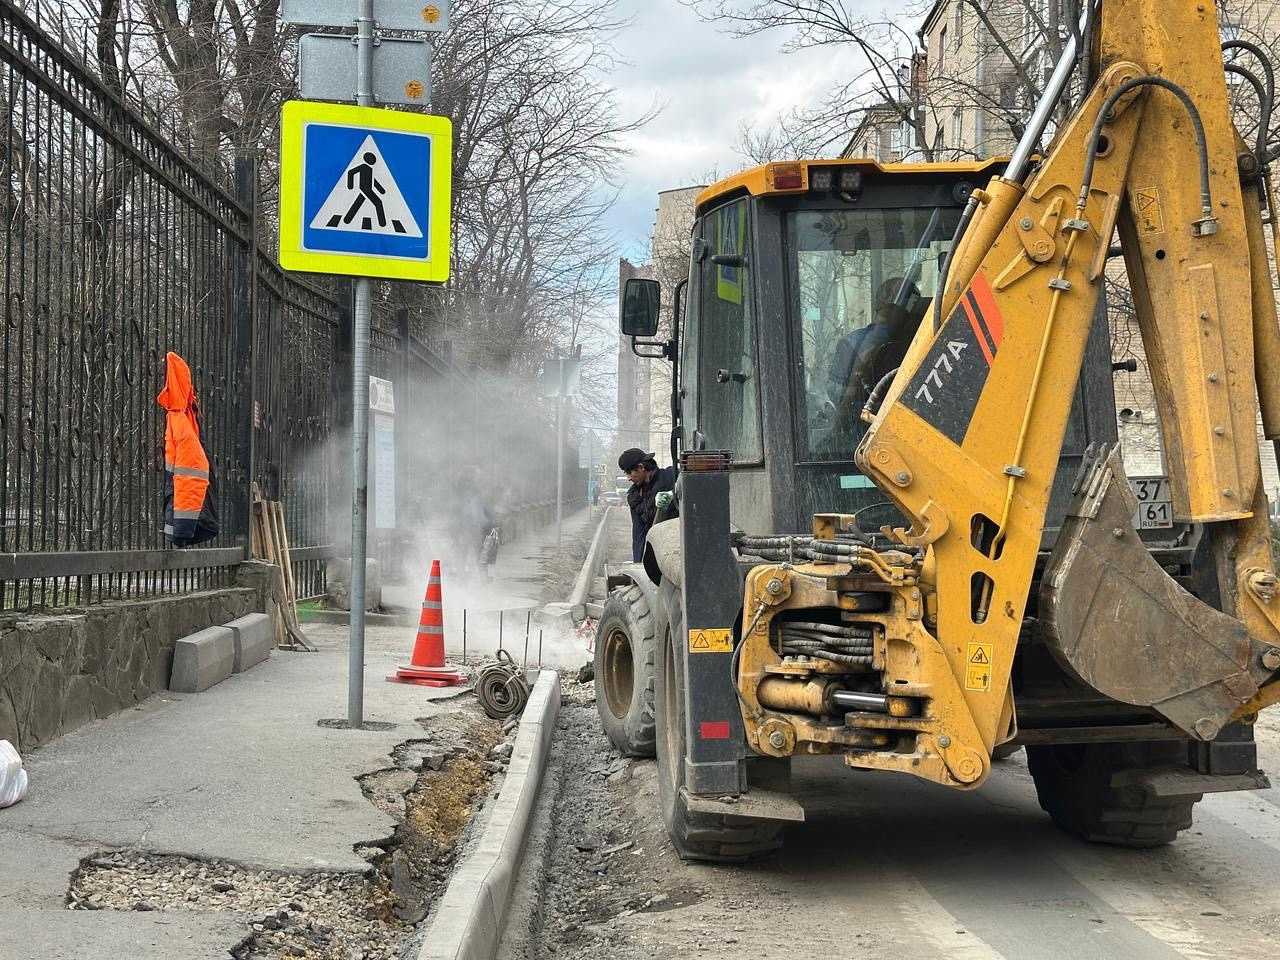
338 580
202 659
254 636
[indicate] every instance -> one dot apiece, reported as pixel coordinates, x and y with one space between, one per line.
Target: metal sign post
360 414
365 193
559 451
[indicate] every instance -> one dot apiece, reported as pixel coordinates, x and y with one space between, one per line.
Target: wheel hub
619 672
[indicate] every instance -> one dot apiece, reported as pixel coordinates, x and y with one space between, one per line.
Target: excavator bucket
1116 619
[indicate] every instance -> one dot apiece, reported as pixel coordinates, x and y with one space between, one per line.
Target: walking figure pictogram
363 196
361 178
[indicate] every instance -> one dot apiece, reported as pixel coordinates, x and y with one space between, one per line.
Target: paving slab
240 771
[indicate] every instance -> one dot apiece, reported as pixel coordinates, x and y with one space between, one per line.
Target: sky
705 83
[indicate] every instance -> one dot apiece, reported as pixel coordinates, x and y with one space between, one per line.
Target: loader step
1165 783
758 805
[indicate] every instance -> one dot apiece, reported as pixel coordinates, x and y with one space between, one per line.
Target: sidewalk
243 773
529 573
240 772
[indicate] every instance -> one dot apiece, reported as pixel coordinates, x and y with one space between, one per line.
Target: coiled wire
502 688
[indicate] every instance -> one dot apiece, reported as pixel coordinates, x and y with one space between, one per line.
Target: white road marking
929 918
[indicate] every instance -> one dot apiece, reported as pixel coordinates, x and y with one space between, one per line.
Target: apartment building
633 375
972 90
644 386
974 96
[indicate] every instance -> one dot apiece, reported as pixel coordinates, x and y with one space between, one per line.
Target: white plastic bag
13 779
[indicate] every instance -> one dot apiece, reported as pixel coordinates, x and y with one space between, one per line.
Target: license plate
1155 505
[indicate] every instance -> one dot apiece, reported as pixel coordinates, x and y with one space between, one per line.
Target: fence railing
117 248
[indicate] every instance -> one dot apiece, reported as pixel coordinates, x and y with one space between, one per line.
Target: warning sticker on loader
977 668
711 640
1148 210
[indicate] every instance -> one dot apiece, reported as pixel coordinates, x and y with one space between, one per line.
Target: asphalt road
889 866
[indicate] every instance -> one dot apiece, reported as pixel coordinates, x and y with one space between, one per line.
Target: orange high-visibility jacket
189 515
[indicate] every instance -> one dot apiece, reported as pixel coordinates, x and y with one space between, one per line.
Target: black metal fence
118 248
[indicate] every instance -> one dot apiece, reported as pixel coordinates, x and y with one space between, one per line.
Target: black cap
632 458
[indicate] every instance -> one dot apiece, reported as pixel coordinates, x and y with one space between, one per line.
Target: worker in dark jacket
647 481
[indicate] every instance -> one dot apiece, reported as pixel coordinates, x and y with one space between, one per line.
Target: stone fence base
59 671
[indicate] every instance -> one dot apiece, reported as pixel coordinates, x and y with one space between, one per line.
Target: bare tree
989 62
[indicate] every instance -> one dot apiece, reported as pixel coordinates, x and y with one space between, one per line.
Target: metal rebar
539 649
499 629
464 635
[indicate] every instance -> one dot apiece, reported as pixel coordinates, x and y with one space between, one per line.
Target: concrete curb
590 566
407 619
468 919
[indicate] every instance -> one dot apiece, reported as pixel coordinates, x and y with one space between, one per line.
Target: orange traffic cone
426 665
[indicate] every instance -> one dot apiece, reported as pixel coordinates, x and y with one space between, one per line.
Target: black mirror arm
661 353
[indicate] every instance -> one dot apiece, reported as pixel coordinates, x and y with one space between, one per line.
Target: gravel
608 859
432 790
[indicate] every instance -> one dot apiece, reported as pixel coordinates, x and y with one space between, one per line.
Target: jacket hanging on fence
189 515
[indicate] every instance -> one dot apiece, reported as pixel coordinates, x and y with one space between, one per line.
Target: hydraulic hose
1264 110
944 269
1104 117
872 406
860 633
1263 60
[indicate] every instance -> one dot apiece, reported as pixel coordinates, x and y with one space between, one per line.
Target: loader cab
807 282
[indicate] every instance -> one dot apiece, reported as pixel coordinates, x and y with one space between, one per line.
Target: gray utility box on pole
401 68
431 16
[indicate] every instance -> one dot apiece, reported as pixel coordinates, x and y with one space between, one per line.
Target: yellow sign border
294 117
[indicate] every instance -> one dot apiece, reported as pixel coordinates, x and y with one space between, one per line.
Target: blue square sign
364 192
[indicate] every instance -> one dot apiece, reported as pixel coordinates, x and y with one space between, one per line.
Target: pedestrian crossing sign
364 192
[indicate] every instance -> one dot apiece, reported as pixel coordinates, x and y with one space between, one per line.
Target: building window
895 143
942 50
957 129
959 22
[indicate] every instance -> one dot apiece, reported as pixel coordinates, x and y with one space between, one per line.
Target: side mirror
641 300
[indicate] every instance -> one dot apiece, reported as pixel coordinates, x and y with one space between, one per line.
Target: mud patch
432 790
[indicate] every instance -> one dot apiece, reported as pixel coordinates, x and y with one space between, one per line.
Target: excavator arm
967 438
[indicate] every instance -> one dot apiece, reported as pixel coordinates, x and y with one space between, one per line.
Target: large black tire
696 836
626 648
1074 786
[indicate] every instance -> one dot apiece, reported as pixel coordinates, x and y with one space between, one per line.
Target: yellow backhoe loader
903 533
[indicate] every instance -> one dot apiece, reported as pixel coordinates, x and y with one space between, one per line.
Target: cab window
728 401
861 282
